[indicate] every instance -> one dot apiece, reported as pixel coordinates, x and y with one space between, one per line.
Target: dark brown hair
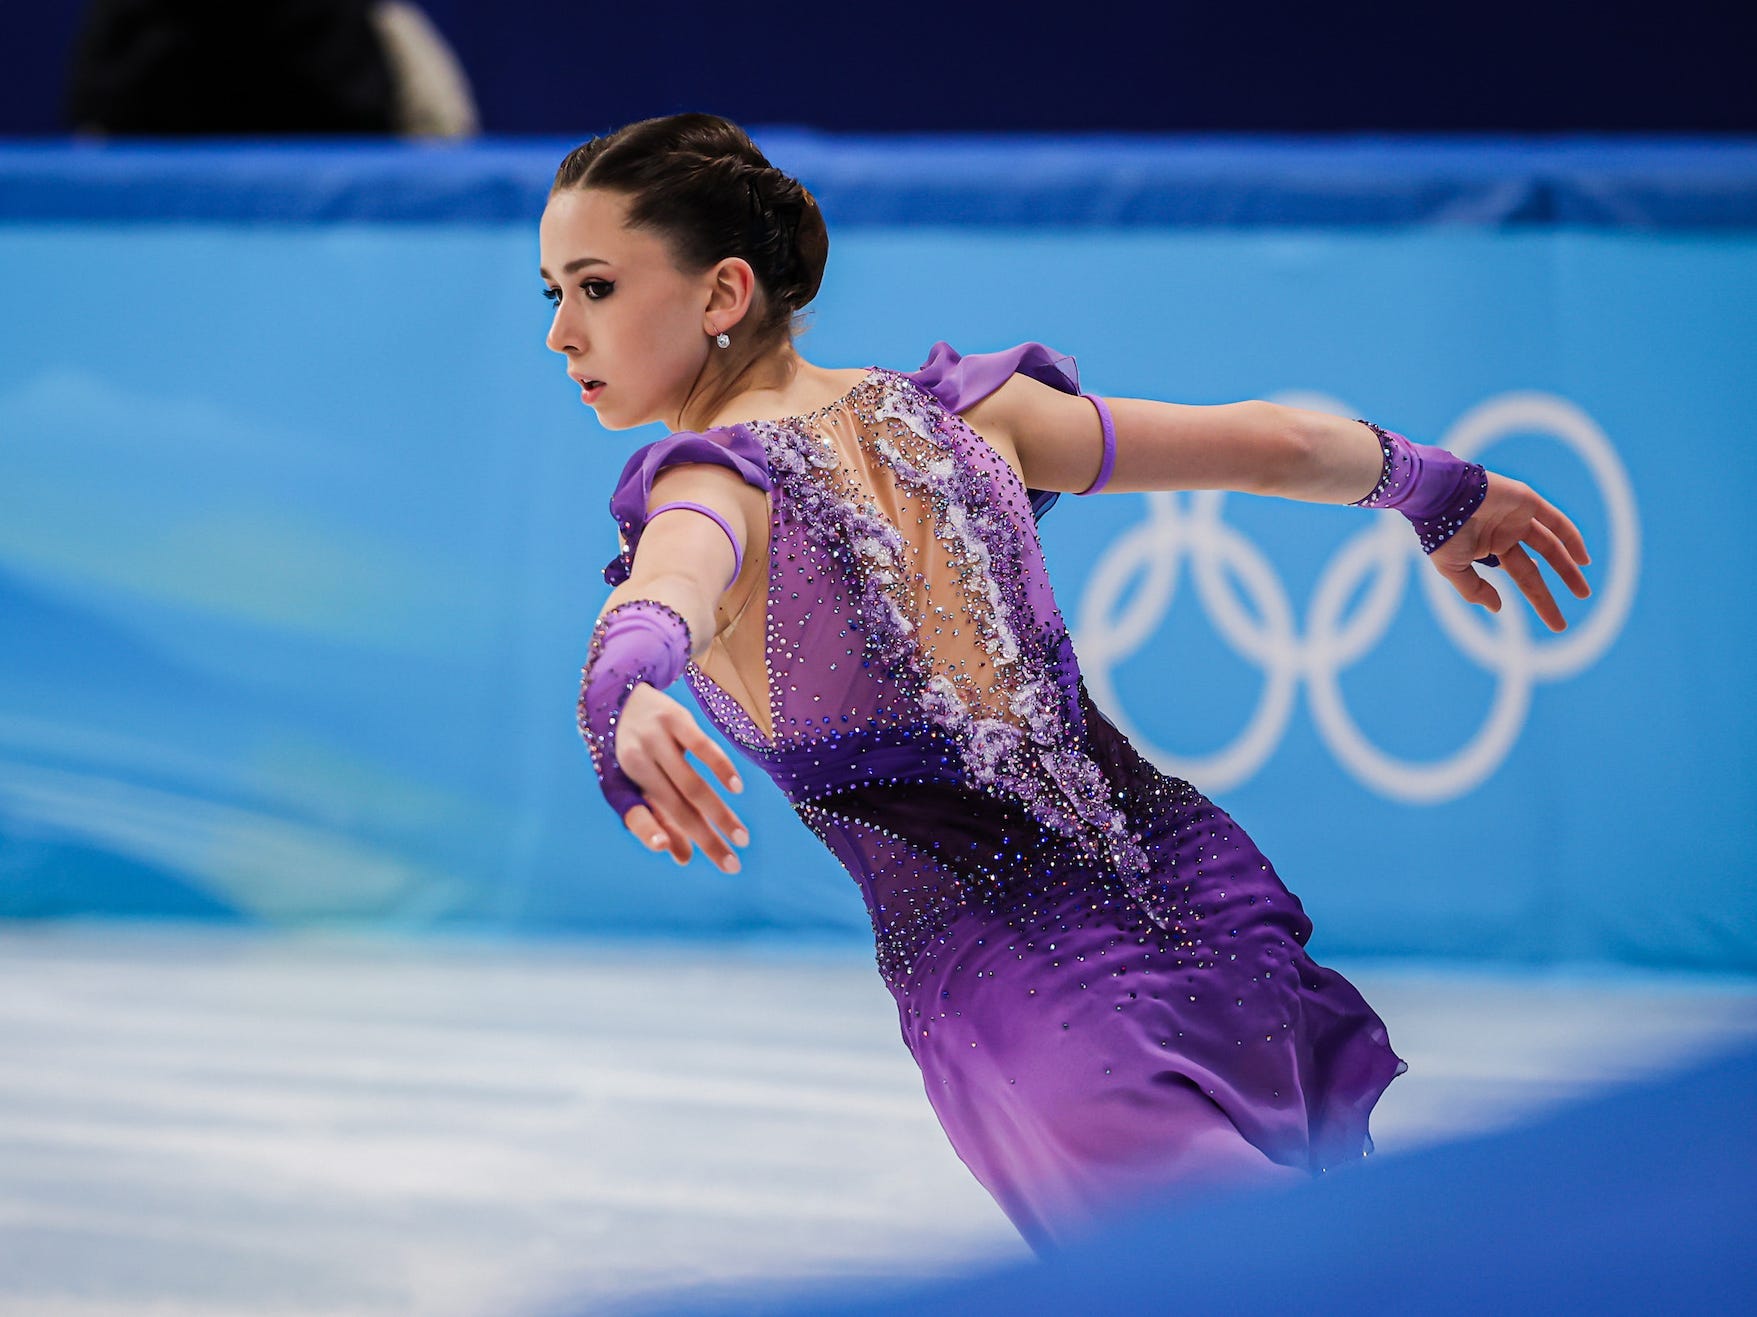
700 182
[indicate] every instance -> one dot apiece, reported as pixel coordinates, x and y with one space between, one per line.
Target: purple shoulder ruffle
960 381
737 448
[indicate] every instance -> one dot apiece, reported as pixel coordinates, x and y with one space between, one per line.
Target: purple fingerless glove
1435 489
640 640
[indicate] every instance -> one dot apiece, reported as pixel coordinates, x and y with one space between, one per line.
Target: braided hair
700 182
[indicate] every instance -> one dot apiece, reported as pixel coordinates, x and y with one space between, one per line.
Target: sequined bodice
911 632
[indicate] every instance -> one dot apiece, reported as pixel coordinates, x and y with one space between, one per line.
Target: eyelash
553 295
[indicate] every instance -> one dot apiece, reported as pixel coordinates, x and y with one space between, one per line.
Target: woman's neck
783 384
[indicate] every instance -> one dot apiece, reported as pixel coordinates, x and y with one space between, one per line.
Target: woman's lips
590 393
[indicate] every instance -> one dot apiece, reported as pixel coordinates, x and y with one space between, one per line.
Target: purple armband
639 640
1104 467
737 553
1435 489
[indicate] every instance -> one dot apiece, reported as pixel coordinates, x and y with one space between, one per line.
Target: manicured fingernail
732 865
657 841
740 836
737 783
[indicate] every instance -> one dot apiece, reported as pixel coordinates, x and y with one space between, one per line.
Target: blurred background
329 982
549 66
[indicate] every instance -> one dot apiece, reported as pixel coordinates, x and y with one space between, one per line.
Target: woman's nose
562 336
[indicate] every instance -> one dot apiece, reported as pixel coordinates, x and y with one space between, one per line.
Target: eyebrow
571 266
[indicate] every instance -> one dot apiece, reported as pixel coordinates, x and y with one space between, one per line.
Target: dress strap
737 553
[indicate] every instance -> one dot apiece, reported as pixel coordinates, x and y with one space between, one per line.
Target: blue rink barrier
1636 1202
904 180
304 527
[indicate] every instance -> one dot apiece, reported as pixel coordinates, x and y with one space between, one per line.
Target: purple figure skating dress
1102 979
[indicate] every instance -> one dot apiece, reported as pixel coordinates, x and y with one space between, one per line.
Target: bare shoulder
1029 423
687 540
703 476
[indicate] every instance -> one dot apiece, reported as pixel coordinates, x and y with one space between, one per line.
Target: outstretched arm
684 561
1253 447
1260 447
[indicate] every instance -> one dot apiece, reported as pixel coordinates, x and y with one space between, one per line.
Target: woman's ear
732 292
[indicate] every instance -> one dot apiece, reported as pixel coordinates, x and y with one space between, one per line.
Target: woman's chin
612 421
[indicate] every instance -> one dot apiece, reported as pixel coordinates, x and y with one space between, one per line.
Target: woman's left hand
1511 516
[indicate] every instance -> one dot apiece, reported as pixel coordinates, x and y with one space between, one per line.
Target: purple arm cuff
737 553
1109 462
638 640
1436 490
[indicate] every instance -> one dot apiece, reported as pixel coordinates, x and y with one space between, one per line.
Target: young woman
1102 979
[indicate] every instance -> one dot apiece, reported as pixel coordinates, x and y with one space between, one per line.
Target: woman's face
624 314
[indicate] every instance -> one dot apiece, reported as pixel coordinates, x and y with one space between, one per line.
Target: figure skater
1102 979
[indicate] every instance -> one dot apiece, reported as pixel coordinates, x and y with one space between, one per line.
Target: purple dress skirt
1101 977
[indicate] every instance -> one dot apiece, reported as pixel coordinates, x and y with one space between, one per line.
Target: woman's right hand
653 731
1512 514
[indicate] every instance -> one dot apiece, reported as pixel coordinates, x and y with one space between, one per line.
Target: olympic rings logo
1189 524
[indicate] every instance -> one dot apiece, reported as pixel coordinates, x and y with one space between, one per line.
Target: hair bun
699 180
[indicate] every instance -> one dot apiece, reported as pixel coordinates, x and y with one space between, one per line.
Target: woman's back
910 633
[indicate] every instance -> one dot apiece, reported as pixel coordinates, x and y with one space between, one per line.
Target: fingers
1555 552
676 840
647 828
1522 517
1473 587
700 809
685 804
1556 521
1523 570
705 748
659 831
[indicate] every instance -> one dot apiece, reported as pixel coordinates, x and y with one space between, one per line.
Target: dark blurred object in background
560 68
265 67
433 93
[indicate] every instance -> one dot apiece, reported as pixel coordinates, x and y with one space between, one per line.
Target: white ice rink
230 1123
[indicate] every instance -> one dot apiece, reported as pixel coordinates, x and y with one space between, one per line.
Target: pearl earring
722 340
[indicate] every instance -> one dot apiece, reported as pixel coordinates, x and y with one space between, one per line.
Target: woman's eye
596 291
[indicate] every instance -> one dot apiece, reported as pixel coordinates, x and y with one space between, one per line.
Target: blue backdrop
303 528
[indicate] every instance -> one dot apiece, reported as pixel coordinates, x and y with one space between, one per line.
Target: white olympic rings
1189 524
